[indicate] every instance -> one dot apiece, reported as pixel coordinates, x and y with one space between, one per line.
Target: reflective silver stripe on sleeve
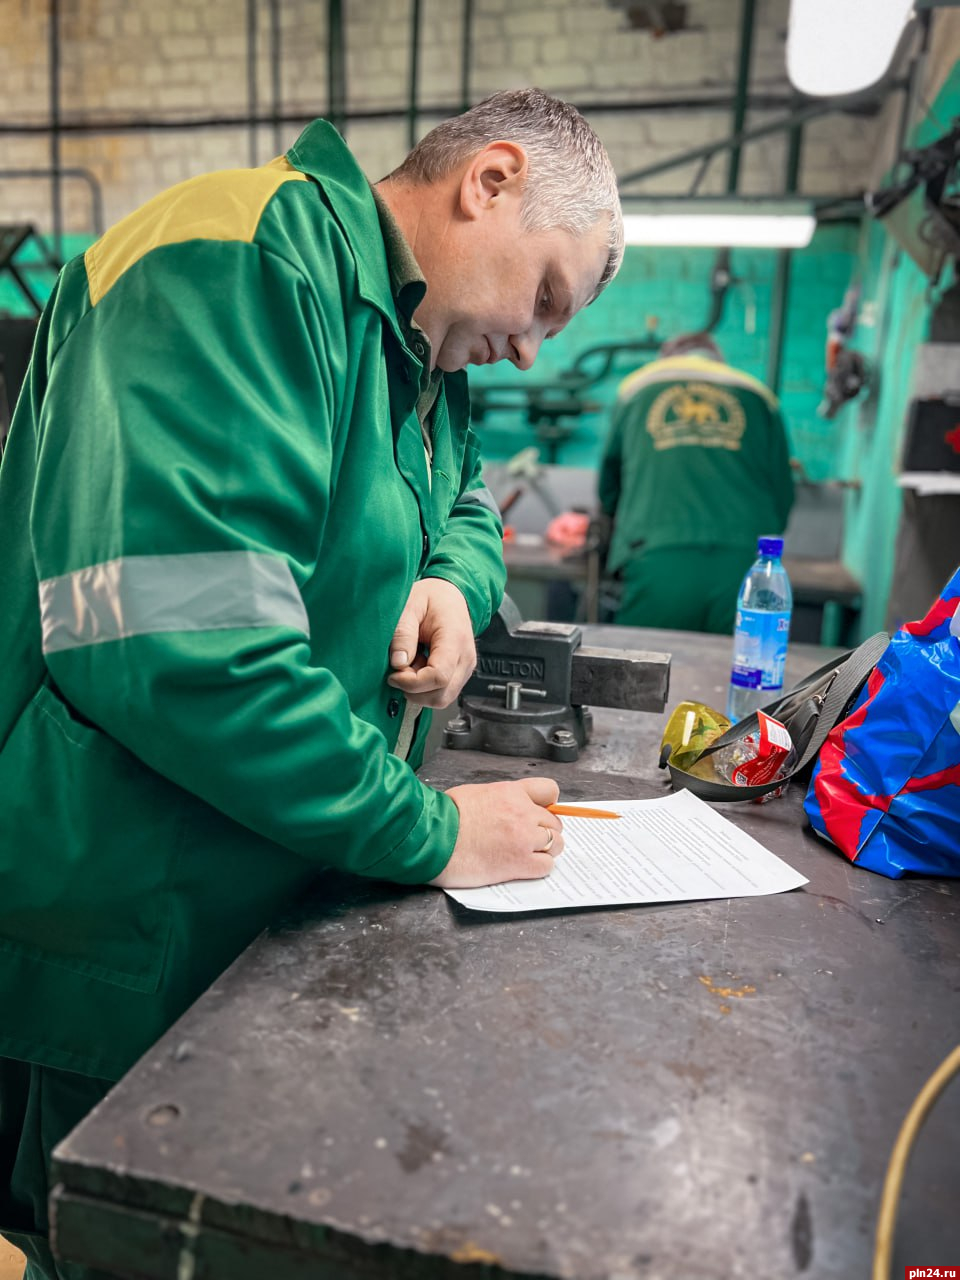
137 595
408 724
483 497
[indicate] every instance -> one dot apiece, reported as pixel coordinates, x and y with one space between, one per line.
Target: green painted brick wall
902 301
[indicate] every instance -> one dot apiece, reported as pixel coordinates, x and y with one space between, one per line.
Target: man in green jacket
246 543
695 468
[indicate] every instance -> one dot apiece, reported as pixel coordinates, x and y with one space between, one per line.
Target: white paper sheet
666 850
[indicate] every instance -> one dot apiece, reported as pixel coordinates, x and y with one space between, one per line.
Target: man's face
496 291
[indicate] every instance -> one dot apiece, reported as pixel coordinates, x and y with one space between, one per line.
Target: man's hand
433 651
506 833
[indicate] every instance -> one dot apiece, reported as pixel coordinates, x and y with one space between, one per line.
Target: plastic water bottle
761 632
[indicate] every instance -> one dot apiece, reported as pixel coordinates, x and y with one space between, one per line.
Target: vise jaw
533 680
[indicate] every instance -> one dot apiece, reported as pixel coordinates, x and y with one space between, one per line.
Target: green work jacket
696 455
214 502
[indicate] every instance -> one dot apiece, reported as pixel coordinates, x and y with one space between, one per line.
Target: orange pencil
579 811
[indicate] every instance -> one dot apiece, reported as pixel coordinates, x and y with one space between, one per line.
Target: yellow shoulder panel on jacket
216 206
692 368
655 371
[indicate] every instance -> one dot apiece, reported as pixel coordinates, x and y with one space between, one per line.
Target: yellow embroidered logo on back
696 413
215 206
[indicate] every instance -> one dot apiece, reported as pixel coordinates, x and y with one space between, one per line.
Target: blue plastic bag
886 786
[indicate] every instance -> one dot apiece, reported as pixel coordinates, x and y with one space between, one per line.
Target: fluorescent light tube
727 230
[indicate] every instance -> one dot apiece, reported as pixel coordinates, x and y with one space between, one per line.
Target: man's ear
498 171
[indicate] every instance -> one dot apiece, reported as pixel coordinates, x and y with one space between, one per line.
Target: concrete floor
11 1261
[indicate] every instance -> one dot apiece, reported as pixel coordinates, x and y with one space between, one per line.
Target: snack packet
762 756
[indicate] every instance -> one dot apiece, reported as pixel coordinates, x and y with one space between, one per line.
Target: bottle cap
770 546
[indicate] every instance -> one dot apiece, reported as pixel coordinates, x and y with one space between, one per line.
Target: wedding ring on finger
549 845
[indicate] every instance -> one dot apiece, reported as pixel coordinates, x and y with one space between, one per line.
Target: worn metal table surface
389 1085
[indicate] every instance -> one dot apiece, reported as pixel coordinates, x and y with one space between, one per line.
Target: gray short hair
571 183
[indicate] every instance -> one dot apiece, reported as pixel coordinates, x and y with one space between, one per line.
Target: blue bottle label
759 649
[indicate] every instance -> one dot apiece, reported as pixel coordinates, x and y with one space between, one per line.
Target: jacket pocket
88 839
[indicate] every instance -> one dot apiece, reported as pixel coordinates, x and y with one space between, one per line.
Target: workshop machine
530 692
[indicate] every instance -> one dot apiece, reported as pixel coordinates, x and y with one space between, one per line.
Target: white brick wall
175 59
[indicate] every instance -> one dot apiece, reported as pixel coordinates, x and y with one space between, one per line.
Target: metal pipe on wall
276 92
746 135
466 54
781 279
909 116
412 111
740 95
252 103
440 111
69 171
56 187
336 66
722 276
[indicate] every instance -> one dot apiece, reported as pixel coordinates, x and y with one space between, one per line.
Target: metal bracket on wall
13 236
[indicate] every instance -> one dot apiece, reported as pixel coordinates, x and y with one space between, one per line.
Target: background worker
695 467
241 484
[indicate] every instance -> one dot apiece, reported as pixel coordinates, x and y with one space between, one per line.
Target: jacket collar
323 155
406 279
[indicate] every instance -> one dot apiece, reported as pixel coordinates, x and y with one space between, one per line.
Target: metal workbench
388 1085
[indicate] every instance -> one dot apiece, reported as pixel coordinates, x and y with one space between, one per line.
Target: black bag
809 712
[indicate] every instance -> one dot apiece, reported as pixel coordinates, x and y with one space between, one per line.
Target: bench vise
533 680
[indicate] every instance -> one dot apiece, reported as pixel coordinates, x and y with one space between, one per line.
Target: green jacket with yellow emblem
697 455
215 502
